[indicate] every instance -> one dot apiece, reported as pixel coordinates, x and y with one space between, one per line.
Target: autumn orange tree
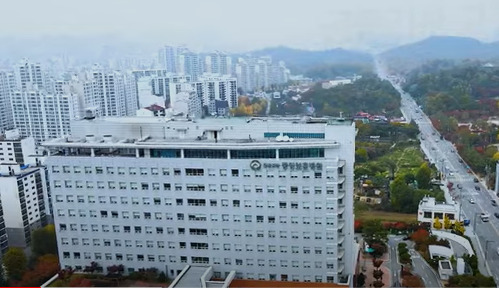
46 267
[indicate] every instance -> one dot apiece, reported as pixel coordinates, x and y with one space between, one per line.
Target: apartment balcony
341 193
341 252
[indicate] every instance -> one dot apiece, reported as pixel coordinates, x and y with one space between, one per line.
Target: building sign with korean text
294 166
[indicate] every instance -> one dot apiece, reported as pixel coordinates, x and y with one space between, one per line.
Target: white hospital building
269 199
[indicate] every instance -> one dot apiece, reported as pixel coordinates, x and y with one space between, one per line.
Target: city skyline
360 25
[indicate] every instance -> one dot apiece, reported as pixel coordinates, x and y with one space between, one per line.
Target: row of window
188 172
156 186
199 231
198 260
204 217
198 246
317 205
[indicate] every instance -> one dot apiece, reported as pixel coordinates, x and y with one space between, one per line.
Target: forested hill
368 94
467 86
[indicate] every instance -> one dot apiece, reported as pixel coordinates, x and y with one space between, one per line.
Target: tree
3 281
378 274
80 281
15 263
437 224
377 263
412 281
447 223
361 155
420 235
423 176
162 277
43 241
459 228
361 280
373 230
378 284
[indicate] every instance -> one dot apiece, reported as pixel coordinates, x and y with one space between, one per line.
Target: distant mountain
300 61
440 47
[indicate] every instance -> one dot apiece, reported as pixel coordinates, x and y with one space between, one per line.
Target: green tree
373 230
15 263
423 176
43 241
361 155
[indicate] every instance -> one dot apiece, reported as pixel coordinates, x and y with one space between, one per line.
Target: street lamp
486 247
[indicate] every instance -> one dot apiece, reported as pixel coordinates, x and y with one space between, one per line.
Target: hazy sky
241 25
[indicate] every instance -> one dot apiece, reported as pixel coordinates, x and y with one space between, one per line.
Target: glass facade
165 153
202 153
253 154
301 153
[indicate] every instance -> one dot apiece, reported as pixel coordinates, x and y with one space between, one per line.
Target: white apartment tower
108 93
190 65
167 85
7 85
22 194
29 75
268 198
219 63
212 88
41 115
168 58
23 189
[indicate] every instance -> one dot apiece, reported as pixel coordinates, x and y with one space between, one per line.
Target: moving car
472 201
485 217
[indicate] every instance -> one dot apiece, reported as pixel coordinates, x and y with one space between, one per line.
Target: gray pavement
423 269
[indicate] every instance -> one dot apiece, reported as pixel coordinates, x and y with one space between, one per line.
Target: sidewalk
478 250
369 268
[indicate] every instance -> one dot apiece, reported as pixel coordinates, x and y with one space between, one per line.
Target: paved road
394 264
454 169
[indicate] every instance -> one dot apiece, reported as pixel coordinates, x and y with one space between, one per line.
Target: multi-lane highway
473 196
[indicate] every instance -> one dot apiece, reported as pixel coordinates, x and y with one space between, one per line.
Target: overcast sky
242 25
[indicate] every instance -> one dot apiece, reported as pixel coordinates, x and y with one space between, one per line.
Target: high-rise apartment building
168 58
167 85
41 115
212 88
23 190
190 64
7 85
29 75
108 93
218 63
268 198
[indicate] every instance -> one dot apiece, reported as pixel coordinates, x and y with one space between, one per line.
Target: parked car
493 202
496 214
475 180
472 201
477 188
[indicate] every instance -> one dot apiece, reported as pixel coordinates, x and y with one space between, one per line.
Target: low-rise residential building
429 209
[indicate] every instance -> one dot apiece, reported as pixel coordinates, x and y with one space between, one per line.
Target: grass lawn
385 216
